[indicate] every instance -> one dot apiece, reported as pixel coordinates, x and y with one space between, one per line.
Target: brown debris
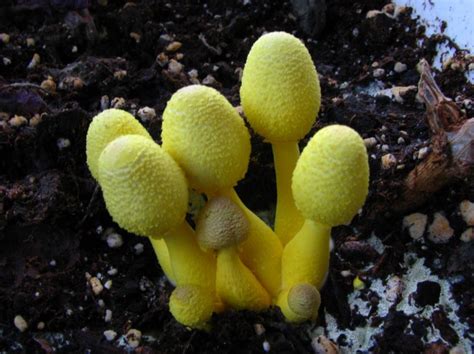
452 145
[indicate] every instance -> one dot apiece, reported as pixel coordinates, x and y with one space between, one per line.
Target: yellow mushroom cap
105 127
192 305
331 179
280 90
144 189
221 224
207 137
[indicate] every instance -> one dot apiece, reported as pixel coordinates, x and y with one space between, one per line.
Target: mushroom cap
105 127
192 305
221 224
207 137
331 178
144 189
304 300
280 90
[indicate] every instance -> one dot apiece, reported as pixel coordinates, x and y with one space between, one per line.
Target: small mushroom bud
222 225
300 303
192 305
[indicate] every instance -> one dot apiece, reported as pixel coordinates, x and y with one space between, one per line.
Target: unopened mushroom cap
304 300
192 305
331 179
105 127
144 189
280 90
207 137
221 224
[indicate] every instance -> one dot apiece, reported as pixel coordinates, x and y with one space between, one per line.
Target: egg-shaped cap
280 90
144 189
221 224
105 127
331 178
304 300
192 305
207 137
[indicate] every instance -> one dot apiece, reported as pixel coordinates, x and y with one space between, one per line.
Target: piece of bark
452 146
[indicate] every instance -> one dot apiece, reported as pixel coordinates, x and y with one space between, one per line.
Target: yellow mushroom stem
305 258
161 252
189 263
192 305
236 285
261 251
300 303
288 219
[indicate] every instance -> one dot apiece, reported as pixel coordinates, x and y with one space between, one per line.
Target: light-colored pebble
40 326
467 211
173 46
400 141
104 102
108 316
384 148
110 335
468 235
209 80
112 271
399 67
346 273
133 337
388 161
378 73
49 85
101 303
96 285
166 37
423 152
63 143
175 67
394 289
20 323
34 61
18 121
4 38
259 329
108 284
139 248
440 231
53 263
416 225
118 102
120 74
114 240
266 346
146 114
136 36
370 142
323 345
30 42
179 56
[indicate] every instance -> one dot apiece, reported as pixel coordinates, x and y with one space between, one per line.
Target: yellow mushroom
281 97
300 303
222 225
146 193
330 184
192 305
209 140
104 128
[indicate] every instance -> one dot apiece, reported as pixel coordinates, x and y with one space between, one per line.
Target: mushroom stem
236 285
262 250
288 219
305 258
161 252
190 264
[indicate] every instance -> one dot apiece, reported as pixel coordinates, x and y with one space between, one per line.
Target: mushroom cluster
231 259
